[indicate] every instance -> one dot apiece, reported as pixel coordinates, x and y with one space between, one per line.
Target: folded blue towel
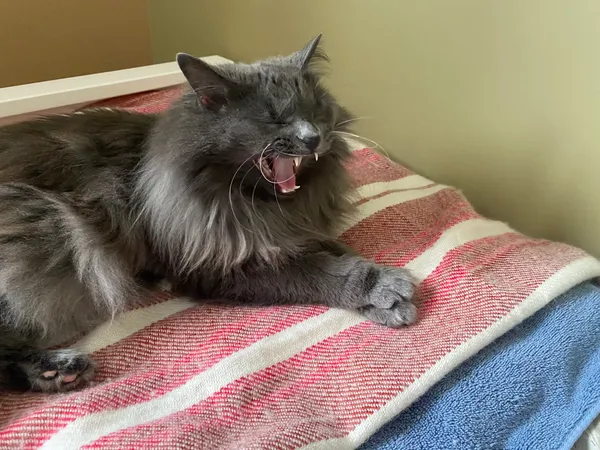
537 387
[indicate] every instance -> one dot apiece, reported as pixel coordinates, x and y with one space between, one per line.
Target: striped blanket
180 374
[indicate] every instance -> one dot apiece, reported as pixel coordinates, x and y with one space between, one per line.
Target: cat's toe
389 301
401 313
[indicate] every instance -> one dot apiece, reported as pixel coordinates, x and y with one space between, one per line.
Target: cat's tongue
283 174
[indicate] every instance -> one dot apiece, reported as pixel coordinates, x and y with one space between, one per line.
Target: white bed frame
18 103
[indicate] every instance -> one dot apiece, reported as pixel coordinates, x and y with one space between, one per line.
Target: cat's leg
383 294
25 367
27 327
59 277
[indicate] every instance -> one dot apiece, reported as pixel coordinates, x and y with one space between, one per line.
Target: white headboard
21 102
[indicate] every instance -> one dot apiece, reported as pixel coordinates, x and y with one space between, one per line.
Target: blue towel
537 387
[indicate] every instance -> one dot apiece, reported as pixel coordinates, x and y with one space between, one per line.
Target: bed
505 354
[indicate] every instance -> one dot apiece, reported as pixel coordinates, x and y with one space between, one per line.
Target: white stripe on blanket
454 237
409 182
130 322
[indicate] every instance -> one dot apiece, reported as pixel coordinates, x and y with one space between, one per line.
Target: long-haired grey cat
236 192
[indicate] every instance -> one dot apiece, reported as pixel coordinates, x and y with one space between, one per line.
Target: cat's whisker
355 119
253 205
242 181
262 155
230 193
287 154
371 141
137 219
242 194
277 200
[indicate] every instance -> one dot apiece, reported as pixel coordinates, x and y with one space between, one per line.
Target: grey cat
234 193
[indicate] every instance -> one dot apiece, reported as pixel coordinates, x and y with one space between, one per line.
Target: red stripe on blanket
369 167
408 228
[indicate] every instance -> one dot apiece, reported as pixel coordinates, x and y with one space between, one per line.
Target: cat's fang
316 156
297 161
288 190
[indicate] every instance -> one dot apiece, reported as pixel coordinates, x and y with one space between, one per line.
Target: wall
499 98
48 39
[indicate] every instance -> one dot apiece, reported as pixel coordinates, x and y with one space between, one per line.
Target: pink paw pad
69 378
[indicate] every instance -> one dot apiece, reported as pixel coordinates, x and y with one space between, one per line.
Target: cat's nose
308 135
311 141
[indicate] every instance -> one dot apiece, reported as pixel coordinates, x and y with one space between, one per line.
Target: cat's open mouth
281 171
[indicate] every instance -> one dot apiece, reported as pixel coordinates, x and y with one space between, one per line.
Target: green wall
501 99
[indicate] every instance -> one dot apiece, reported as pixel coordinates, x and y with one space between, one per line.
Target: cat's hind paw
58 370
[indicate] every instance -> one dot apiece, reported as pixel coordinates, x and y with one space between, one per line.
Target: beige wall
499 98
47 39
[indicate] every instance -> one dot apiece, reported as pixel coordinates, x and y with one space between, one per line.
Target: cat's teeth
316 156
287 191
298 160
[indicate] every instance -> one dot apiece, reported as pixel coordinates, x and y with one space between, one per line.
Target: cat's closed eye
276 118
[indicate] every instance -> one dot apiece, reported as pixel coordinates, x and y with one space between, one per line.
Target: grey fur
90 202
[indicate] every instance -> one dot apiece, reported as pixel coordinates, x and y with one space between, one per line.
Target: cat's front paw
388 295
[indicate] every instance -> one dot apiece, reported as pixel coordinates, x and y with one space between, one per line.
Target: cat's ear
212 89
303 57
